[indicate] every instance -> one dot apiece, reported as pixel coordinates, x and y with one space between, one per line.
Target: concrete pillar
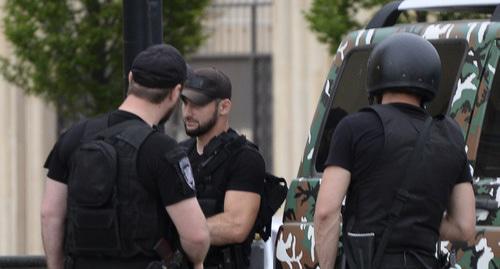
300 67
27 134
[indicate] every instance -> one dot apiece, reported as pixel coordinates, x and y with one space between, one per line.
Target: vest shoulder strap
218 155
133 132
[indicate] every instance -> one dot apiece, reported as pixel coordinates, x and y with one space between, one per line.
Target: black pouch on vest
92 226
273 195
359 249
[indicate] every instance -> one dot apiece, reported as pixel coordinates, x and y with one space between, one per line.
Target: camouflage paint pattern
295 240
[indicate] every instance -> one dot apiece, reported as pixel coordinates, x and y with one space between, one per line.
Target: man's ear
224 107
175 93
129 77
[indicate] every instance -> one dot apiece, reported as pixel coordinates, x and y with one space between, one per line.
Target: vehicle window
350 94
488 153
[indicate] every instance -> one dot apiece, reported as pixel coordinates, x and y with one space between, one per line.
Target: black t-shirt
359 139
159 175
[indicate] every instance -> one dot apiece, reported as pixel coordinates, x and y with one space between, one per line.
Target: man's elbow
199 237
325 214
240 234
468 231
49 214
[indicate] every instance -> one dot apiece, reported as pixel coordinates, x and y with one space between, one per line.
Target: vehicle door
483 151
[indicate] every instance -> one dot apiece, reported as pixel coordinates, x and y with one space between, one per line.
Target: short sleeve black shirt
159 175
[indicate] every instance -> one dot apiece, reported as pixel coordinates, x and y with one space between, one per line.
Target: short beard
203 128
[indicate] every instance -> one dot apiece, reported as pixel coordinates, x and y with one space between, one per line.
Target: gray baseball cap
206 84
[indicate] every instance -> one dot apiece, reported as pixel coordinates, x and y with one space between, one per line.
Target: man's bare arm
327 214
192 228
53 216
459 221
236 222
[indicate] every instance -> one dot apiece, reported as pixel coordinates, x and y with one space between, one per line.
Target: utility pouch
359 249
228 262
94 230
92 224
233 257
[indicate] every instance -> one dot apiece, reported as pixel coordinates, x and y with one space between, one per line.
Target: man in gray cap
111 179
229 172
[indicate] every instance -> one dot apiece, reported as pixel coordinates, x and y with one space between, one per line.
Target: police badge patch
187 173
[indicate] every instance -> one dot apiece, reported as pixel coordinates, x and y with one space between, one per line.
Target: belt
408 259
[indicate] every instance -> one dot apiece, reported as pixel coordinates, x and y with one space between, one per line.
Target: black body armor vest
110 212
418 227
211 181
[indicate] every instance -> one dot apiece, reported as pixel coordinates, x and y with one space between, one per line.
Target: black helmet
407 62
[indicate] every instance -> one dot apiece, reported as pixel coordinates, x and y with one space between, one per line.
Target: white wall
300 67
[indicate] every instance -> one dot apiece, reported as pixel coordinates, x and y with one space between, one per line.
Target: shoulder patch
187 173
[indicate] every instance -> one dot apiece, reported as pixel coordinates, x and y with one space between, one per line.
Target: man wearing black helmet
116 185
405 174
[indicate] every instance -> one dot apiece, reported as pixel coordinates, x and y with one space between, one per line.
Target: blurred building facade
27 134
277 68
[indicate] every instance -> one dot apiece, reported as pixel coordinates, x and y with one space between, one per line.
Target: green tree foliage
331 19
70 51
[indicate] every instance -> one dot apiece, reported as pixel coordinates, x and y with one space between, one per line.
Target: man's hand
192 228
327 215
236 222
53 216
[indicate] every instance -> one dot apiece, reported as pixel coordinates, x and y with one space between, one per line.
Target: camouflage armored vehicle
469 93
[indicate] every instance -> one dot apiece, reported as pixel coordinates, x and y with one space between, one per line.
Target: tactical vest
110 212
418 227
211 181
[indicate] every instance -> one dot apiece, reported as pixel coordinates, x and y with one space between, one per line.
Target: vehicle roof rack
389 13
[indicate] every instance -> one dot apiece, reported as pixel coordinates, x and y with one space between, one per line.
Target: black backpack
95 217
275 188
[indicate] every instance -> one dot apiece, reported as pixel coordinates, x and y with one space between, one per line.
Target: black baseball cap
206 84
159 66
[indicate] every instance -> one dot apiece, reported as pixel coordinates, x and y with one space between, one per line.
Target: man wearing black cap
229 174
111 179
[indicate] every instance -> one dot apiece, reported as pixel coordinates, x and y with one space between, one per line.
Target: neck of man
400 97
221 126
148 112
